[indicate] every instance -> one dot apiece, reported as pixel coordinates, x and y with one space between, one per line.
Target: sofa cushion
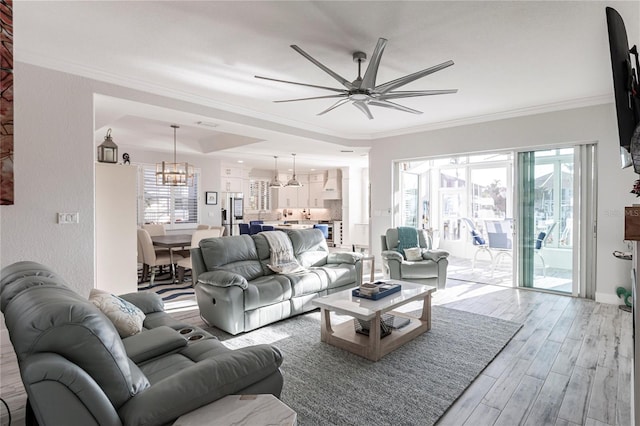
309 246
420 269
338 275
125 316
309 282
235 254
266 290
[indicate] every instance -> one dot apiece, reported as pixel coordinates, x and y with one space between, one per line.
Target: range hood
332 184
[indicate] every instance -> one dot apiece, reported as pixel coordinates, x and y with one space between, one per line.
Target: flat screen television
626 89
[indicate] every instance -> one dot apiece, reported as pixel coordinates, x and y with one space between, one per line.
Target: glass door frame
583 229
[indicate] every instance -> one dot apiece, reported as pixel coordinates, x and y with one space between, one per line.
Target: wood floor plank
544 359
566 358
576 399
483 415
468 402
501 392
521 402
602 405
588 355
547 404
623 404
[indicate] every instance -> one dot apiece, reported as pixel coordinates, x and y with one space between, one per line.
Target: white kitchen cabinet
289 197
115 222
315 194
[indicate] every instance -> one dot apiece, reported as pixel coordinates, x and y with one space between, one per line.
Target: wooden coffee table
373 347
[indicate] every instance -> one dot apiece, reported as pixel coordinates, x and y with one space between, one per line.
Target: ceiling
511 58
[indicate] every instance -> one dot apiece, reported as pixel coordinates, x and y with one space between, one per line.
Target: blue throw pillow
477 238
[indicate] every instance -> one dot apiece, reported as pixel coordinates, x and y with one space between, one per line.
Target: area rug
169 291
413 385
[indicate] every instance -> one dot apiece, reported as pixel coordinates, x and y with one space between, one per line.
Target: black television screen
625 84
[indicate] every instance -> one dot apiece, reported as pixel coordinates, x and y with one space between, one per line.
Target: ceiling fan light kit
363 91
174 174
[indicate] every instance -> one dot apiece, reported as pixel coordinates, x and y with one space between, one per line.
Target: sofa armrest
435 255
151 343
220 278
201 384
392 255
344 257
147 302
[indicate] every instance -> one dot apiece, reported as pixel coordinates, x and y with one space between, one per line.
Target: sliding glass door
555 186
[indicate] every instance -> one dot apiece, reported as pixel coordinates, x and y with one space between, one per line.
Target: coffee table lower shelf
372 347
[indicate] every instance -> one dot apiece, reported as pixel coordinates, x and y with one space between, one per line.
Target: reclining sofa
237 291
77 370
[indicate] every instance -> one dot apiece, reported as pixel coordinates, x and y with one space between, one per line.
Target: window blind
169 205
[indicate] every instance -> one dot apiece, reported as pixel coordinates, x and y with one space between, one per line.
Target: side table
241 410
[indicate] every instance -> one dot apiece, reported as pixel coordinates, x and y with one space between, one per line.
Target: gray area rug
414 385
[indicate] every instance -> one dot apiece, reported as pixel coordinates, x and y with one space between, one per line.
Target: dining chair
154 229
220 230
185 262
151 257
244 228
201 227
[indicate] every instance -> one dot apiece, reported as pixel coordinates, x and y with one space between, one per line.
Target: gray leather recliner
430 270
77 370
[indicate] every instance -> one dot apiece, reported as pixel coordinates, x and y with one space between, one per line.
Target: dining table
172 241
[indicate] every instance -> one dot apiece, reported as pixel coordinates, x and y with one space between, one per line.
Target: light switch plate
68 218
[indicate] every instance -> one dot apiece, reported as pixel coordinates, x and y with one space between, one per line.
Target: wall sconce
108 150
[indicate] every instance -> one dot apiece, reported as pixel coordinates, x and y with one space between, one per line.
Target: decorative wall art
211 197
6 102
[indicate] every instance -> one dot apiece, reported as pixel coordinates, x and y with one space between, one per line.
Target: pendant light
275 182
293 182
174 174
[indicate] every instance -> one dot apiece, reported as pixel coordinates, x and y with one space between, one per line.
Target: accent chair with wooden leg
153 258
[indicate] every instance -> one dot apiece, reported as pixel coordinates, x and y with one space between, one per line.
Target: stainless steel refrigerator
232 212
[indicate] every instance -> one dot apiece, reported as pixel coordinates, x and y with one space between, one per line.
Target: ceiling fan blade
302 84
308 99
364 108
387 104
311 98
334 106
397 95
369 79
338 77
383 88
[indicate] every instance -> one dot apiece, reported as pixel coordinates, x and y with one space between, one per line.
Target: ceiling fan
363 91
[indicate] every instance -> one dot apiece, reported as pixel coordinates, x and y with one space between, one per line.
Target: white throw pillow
126 317
413 254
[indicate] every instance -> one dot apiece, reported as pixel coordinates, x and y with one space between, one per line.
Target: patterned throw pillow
413 254
126 317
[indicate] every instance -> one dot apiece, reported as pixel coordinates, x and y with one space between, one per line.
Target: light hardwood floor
569 365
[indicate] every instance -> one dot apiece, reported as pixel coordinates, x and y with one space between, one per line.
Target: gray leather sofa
430 270
237 291
77 370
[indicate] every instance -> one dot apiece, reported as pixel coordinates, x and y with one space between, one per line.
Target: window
169 205
259 195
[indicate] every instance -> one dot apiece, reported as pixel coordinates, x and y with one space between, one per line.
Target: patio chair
500 236
478 241
539 244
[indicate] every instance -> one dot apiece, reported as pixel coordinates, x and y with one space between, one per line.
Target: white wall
590 124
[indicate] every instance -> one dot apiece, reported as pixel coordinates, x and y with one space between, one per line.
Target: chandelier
174 174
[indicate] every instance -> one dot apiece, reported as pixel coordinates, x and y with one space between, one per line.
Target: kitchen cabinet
289 197
232 179
315 194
